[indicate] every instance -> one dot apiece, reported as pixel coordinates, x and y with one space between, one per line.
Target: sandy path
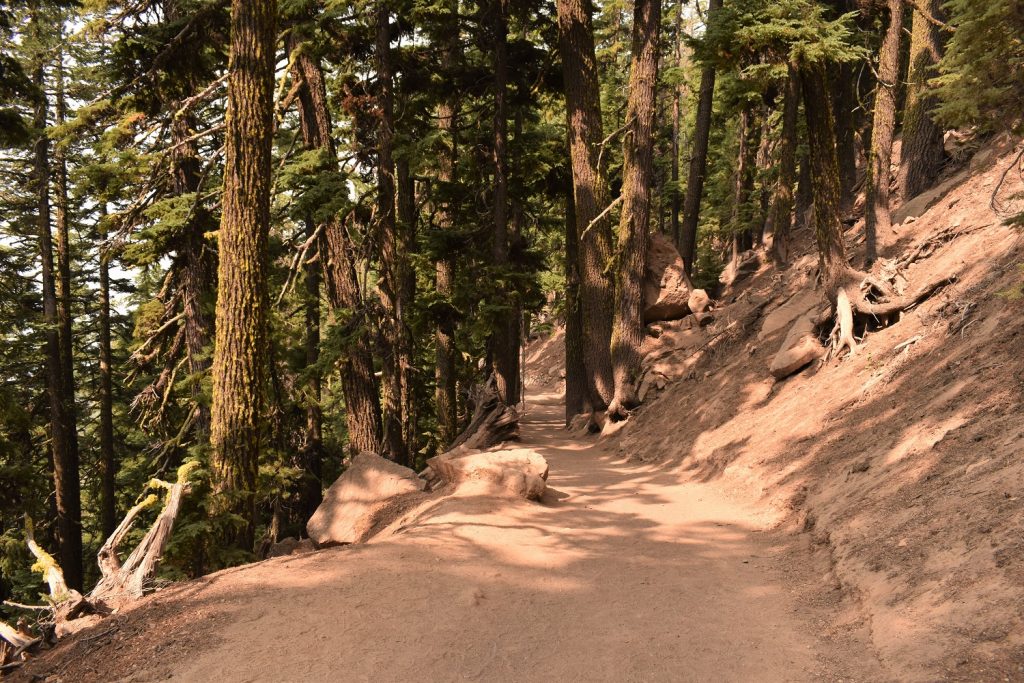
624 574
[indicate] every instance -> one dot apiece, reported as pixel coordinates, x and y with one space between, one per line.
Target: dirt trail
622 574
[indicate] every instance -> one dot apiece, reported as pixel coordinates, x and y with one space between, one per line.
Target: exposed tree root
120 583
862 297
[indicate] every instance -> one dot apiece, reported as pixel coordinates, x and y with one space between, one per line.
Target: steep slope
903 461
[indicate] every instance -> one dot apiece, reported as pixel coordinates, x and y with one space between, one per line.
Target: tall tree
239 361
638 177
395 340
781 217
359 386
590 192
699 158
108 458
922 151
879 178
505 338
64 452
446 355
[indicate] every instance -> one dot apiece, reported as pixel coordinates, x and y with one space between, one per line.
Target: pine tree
239 362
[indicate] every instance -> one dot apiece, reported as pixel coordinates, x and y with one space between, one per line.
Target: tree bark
825 184
923 151
239 361
879 178
197 259
634 224
591 196
393 260
108 458
446 354
575 368
677 121
698 159
782 201
311 491
66 481
358 384
844 104
504 349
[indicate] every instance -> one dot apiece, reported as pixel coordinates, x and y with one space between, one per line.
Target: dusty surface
622 573
903 462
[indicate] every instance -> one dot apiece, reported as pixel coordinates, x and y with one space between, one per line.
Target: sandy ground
622 573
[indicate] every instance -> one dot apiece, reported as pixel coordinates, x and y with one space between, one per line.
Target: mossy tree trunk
634 223
108 457
239 360
591 194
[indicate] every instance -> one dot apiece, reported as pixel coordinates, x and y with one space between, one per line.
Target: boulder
359 499
799 349
699 301
516 473
666 292
919 205
798 305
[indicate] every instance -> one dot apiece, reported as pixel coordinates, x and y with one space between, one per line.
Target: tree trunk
108 459
638 172
197 258
445 399
782 202
358 384
505 336
391 257
66 481
923 151
698 159
575 368
677 121
879 178
239 361
844 104
311 491
590 187
743 184
406 289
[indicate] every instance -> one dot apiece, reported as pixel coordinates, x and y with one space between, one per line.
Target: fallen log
492 421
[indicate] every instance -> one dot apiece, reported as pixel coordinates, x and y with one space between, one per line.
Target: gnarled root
856 295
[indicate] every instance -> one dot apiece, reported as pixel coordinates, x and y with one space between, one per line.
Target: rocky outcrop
799 349
357 502
666 292
521 474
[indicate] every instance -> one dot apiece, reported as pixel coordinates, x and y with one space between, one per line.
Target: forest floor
622 573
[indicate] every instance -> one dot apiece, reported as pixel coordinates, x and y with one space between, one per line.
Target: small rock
704 319
699 301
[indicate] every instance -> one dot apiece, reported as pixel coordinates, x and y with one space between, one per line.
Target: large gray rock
799 349
360 499
666 292
517 473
